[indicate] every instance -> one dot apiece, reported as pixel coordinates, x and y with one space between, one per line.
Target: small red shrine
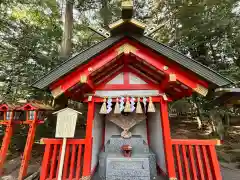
124 73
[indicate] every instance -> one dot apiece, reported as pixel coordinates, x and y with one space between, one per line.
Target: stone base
114 166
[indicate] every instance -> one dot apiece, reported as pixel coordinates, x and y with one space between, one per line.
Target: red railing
196 159
73 160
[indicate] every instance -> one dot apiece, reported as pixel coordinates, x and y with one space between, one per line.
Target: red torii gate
32 114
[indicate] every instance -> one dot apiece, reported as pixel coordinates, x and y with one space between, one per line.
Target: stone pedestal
114 166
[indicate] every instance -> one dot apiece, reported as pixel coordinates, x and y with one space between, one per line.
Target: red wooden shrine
128 62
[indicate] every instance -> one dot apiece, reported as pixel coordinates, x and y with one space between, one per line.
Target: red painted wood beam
109 75
59 141
79 94
169 161
142 75
127 87
159 62
100 99
196 142
106 66
126 78
109 53
215 167
45 162
70 80
90 84
102 74
183 92
5 143
166 81
85 73
88 146
28 147
148 70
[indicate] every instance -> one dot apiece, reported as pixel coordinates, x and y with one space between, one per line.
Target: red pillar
6 141
166 134
88 146
28 147
216 171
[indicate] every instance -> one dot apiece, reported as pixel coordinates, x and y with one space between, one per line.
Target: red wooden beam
79 160
88 146
53 161
206 162
60 141
169 161
183 92
109 76
216 172
165 83
6 142
91 65
185 162
66 162
126 78
45 162
178 163
100 99
141 75
187 80
96 63
28 147
148 69
127 87
72 80
192 163
72 165
195 142
76 94
199 162
159 62
102 74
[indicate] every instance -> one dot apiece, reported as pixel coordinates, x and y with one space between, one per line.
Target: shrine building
127 81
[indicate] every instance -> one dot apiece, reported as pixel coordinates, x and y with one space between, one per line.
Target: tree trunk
66 46
199 115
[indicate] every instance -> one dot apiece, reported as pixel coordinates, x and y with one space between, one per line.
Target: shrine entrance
127 81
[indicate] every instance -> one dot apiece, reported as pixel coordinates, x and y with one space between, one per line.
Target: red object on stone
127 150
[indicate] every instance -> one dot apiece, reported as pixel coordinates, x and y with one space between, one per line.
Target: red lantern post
7 116
34 116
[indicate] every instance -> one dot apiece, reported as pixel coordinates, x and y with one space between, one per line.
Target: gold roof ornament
126 49
201 90
127 23
127 9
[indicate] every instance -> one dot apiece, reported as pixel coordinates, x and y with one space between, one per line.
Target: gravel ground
230 174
